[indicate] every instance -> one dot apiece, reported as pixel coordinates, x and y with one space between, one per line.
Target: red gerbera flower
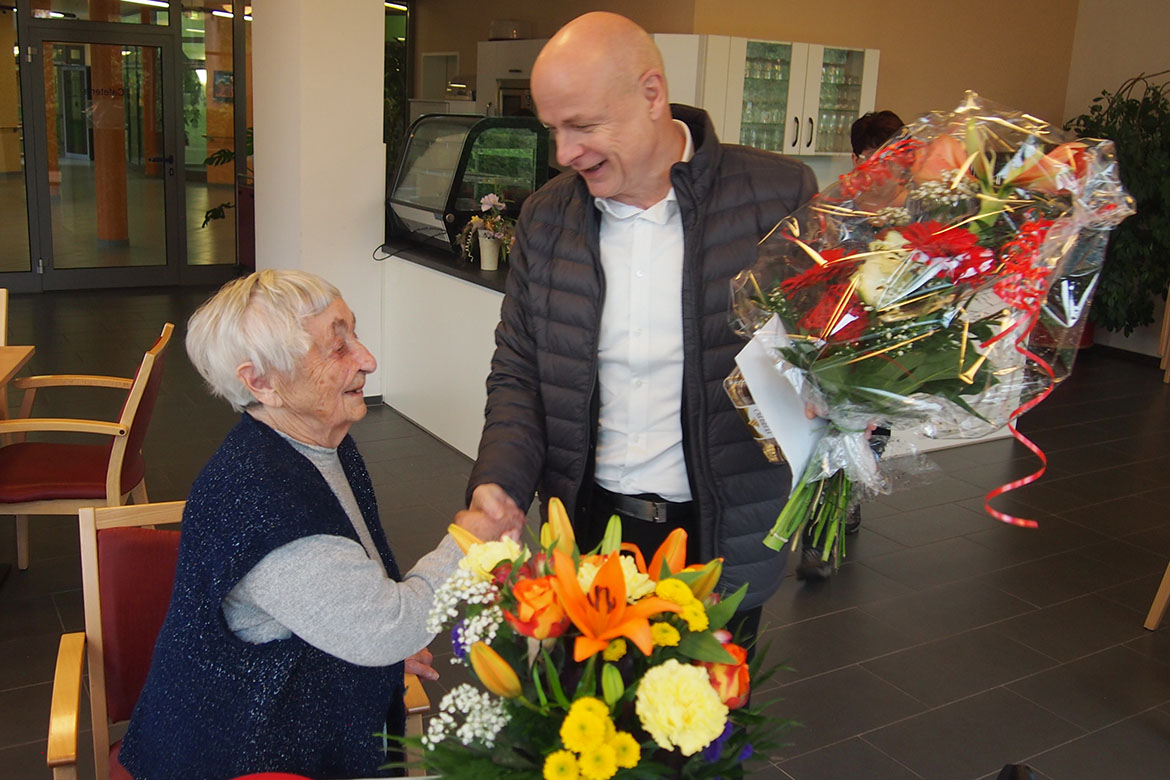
938 240
835 322
835 267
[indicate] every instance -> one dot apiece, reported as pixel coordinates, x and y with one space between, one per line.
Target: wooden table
12 359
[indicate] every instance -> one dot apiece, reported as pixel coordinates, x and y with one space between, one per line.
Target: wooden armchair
127 570
49 478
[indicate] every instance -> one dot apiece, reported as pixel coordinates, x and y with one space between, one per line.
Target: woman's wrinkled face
323 397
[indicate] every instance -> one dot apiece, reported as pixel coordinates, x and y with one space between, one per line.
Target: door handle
808 143
796 134
169 159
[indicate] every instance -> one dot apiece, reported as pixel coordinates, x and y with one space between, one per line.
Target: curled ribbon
1004 517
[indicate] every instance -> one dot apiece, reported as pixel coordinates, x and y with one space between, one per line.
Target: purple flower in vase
491 202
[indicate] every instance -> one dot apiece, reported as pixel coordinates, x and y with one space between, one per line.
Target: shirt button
638 383
637 331
639 274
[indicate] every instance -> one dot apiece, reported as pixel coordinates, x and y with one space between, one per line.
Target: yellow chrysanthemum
583 729
675 591
627 752
678 707
589 705
561 765
638 583
616 650
482 558
664 635
598 762
695 615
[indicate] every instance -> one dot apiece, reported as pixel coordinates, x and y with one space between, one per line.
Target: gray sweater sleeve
330 593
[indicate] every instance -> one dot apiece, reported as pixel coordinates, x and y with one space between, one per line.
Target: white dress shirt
640 351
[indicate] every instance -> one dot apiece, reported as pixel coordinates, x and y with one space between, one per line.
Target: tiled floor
947 646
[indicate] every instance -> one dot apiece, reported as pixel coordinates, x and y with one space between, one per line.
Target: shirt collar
659 212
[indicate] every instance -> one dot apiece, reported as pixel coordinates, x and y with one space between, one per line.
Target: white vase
489 252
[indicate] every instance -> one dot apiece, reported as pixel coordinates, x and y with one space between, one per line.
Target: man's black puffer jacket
541 414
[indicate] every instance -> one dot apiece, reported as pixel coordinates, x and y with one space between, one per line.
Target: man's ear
259 385
653 89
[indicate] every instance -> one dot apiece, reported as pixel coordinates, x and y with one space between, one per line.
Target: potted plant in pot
1136 118
489 234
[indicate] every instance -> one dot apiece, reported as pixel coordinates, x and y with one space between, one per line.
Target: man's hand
420 664
491 499
493 514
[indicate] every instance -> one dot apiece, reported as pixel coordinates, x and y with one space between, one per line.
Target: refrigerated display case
450 161
796 98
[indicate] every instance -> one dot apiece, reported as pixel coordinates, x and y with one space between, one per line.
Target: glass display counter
450 161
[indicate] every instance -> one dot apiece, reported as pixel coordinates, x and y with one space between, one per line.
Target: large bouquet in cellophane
941 287
593 664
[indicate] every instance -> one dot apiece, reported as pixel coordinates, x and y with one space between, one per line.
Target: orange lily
494 672
1052 172
601 613
943 154
558 529
673 551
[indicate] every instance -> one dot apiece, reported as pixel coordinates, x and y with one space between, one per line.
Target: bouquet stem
821 507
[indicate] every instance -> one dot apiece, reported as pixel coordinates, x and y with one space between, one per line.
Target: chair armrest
71 380
61 424
66 707
416 699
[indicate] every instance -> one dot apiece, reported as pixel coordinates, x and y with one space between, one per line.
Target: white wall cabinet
796 98
500 62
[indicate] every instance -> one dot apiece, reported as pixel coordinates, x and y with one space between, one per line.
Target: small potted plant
489 233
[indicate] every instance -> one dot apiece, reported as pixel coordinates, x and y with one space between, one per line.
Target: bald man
606 387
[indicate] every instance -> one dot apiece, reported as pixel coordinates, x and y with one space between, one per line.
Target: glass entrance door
109 171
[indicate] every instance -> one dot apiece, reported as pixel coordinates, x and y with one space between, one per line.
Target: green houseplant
1137 119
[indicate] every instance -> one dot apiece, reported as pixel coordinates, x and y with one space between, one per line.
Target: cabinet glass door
839 99
767 79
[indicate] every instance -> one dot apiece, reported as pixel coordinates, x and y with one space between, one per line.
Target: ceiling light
155 3
396 6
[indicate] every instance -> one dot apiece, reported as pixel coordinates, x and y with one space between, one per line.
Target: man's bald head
606 48
598 86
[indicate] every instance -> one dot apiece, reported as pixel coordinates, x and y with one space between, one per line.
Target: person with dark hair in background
872 130
867 134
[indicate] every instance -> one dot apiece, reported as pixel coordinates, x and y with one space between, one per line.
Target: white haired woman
290 624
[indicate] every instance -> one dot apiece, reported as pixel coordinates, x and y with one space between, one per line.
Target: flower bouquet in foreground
941 287
593 665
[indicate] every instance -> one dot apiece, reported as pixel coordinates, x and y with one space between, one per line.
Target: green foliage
1137 261
224 157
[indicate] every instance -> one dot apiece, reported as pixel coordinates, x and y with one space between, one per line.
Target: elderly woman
290 623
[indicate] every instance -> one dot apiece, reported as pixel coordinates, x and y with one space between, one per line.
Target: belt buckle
658 513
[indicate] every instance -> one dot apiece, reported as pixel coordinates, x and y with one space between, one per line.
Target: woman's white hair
258 319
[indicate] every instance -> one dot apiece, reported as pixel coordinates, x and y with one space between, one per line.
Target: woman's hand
488 528
420 664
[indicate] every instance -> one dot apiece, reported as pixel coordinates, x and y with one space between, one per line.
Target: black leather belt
651 509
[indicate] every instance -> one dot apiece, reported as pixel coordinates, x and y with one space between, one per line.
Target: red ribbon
1003 517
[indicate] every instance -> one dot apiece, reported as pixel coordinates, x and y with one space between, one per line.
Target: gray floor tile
980 735
959 666
1135 747
853 758
1101 688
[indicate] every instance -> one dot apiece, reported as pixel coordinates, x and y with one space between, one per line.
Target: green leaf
704 647
721 612
554 680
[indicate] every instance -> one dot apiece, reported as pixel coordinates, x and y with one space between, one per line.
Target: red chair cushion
136 569
117 771
39 471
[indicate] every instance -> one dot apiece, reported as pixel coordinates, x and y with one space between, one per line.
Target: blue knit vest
215 707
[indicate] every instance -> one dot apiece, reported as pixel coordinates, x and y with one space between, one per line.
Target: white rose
884 279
